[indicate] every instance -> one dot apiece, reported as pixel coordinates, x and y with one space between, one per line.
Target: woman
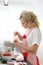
31 39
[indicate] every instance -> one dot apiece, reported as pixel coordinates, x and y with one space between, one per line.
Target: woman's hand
16 42
16 33
19 35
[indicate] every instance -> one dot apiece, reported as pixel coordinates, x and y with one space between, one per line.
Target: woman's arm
32 49
18 34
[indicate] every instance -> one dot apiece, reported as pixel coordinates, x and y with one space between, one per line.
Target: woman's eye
23 23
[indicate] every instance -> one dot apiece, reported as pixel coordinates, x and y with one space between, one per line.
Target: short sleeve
36 37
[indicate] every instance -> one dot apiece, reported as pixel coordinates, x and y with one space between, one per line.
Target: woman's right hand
16 33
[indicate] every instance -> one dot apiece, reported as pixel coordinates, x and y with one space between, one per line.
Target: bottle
15 51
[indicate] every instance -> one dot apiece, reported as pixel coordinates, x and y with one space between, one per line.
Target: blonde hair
28 15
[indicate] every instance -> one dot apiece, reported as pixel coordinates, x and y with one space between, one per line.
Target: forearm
20 37
32 49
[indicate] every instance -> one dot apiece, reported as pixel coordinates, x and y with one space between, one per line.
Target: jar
9 49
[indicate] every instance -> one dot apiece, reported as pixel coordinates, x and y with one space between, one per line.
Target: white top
34 37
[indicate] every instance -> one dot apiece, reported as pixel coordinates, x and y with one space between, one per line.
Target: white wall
9 21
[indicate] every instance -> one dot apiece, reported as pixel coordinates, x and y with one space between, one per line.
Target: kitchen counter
16 61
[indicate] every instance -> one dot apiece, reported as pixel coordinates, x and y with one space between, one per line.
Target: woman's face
26 24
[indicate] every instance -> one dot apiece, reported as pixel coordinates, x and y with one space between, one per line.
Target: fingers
15 33
15 40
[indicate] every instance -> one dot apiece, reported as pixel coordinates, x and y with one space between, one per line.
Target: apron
32 58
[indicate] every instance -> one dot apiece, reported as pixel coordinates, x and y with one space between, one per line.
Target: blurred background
9 19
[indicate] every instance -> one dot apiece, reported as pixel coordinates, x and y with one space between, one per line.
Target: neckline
29 31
